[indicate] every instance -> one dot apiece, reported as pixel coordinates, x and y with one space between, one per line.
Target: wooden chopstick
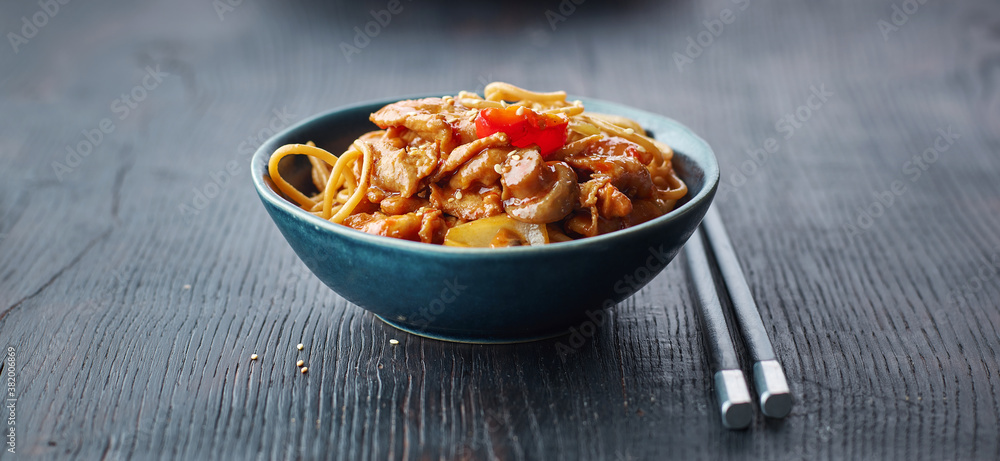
730 384
769 378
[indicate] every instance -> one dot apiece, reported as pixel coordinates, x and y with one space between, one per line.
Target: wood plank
133 323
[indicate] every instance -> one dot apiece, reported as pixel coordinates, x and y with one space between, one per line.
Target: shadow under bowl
482 295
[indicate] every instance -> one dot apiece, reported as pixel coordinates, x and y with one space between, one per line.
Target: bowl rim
258 167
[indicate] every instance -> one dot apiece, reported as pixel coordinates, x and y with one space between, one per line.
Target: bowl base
471 339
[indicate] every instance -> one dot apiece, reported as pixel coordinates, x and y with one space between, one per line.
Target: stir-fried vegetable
524 127
496 231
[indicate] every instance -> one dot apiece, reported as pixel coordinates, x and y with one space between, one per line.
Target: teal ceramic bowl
475 294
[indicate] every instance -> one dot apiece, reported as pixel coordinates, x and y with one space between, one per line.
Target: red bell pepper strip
547 131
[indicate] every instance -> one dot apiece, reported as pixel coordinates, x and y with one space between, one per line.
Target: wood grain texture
133 322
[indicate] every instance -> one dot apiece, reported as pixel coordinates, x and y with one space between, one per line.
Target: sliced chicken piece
468 204
424 116
427 227
480 170
463 153
397 204
400 170
614 158
406 226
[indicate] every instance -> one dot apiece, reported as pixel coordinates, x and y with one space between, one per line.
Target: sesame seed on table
154 310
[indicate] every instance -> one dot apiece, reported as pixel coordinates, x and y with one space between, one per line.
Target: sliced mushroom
535 191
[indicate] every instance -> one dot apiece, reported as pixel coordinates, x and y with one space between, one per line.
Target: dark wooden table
139 272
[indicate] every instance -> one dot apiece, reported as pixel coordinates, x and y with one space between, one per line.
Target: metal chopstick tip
775 397
734 399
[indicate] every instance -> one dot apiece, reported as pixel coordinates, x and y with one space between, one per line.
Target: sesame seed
300 363
516 157
629 131
300 346
472 112
451 199
393 342
305 369
520 110
496 168
458 195
253 356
